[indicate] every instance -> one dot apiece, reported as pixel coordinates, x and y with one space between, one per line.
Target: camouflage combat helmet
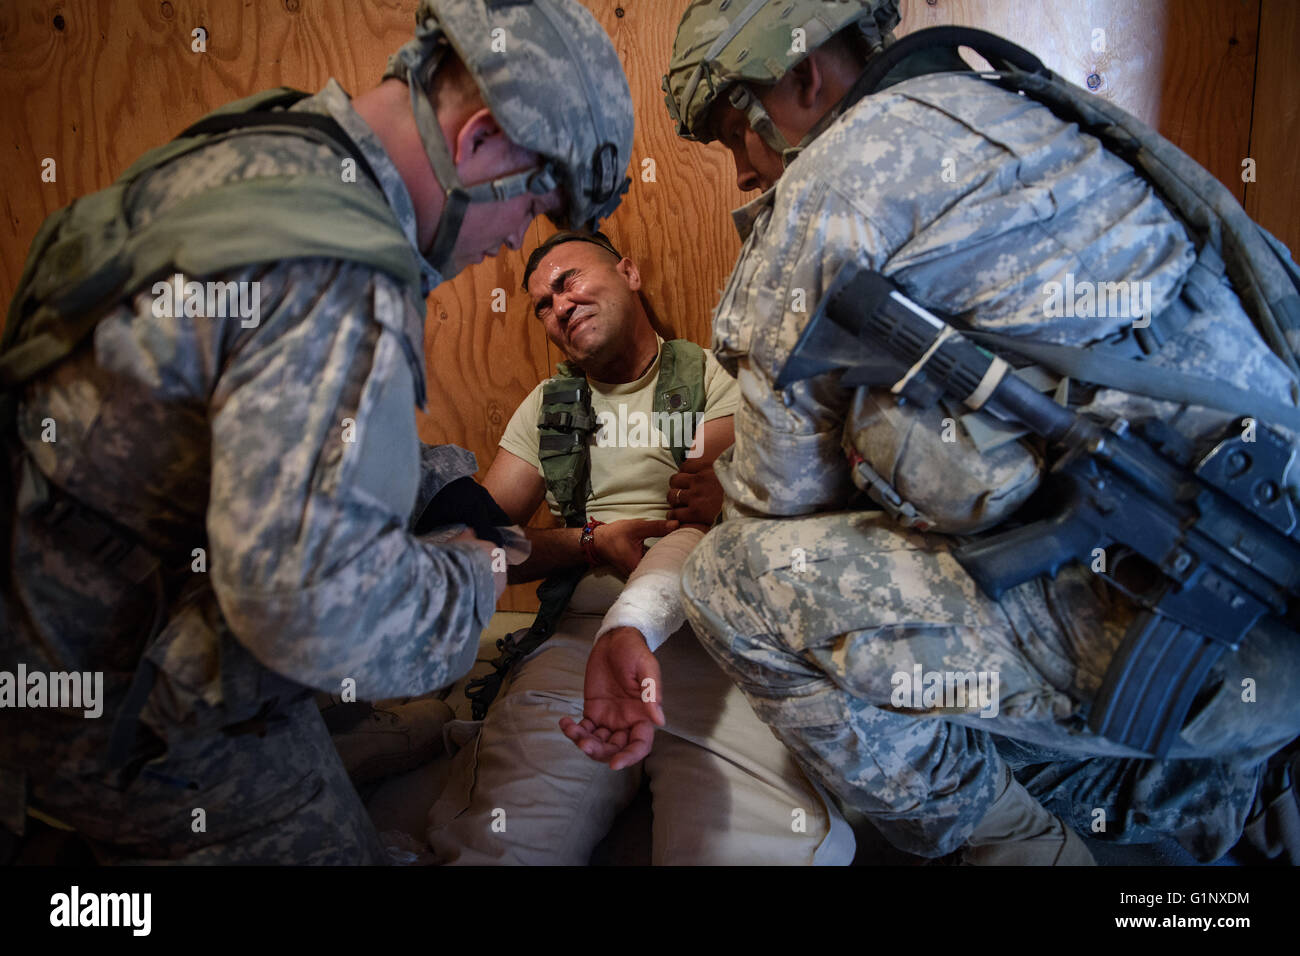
549 74
733 46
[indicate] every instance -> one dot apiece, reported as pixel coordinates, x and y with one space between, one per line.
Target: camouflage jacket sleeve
316 468
787 458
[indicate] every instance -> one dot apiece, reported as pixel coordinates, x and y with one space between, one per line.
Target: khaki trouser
724 790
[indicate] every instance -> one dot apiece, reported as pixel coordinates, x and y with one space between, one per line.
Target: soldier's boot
394 737
1018 831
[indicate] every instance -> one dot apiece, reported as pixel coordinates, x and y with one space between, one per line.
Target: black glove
464 501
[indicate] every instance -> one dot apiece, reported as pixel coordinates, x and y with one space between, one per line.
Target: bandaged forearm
651 600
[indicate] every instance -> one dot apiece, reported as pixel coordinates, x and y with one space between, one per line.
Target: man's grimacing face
586 301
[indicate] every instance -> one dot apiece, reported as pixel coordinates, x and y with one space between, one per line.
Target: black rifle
1205 544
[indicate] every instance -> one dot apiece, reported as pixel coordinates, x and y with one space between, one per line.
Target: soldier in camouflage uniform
971 198
287 451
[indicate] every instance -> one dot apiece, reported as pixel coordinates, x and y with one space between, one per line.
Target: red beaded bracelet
588 541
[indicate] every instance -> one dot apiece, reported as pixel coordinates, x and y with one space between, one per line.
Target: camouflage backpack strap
679 394
565 421
1261 269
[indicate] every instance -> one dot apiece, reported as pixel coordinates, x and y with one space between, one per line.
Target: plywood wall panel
94 83
1274 198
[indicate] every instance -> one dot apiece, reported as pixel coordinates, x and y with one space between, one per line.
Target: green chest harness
565 422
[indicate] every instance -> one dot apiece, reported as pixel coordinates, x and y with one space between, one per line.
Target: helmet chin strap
539 180
759 119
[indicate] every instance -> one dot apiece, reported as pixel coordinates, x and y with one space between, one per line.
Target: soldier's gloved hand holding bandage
463 505
465 502
928 458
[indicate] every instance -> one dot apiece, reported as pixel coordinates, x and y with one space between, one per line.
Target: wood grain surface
93 83
1274 198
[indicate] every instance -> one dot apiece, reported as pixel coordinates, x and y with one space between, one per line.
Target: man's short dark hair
538 254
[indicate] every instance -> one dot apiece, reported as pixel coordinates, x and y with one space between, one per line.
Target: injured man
629 429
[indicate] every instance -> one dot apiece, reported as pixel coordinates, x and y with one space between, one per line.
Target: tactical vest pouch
934 466
565 421
75 269
206 680
680 389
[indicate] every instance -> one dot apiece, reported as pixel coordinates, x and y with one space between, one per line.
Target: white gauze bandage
651 600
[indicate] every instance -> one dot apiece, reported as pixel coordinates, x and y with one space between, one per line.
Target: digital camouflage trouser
281 797
857 643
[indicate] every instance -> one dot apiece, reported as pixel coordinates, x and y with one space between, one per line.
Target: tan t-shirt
631 461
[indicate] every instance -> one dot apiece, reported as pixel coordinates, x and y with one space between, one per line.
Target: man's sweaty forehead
543 289
568 258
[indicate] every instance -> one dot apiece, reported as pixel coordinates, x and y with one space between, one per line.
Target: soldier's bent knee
700 574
